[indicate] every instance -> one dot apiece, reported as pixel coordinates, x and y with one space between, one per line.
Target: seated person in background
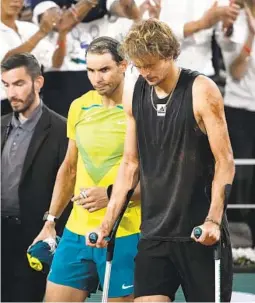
20 36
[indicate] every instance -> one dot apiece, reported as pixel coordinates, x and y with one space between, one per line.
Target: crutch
111 243
217 249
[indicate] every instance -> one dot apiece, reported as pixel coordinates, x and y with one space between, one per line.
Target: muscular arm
65 181
63 191
129 169
209 113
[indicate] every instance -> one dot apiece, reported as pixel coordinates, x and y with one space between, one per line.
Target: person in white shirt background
20 36
239 56
193 22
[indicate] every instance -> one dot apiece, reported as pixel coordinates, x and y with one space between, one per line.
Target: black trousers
241 125
19 283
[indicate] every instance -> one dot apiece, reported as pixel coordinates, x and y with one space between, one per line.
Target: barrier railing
243 206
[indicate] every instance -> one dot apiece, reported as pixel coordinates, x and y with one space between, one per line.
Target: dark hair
103 45
26 60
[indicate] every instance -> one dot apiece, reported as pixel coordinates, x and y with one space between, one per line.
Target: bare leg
156 298
62 293
129 298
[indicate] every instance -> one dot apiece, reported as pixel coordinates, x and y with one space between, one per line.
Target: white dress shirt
11 39
239 94
196 50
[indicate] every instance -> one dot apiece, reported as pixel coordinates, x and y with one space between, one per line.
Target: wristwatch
49 217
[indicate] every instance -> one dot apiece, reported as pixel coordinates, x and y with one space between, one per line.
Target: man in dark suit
33 147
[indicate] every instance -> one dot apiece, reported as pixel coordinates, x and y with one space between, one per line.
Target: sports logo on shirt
161 110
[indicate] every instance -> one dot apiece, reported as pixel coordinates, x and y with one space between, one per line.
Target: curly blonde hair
150 38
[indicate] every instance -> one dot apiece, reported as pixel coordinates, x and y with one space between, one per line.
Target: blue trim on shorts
82 267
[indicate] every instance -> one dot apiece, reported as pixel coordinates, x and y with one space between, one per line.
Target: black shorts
162 266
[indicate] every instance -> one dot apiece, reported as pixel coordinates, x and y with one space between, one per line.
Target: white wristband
51 218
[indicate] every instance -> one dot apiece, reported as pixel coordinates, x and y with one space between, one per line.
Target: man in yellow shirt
96 129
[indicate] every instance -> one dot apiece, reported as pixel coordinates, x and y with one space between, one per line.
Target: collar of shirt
6 28
31 122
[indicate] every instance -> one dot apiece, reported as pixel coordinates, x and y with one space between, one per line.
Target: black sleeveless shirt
176 162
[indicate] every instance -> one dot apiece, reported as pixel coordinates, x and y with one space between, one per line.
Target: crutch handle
197 232
93 237
217 247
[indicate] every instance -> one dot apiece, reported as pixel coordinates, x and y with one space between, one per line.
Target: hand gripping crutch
217 249
111 243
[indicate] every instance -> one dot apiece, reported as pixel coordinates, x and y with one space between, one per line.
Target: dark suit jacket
45 154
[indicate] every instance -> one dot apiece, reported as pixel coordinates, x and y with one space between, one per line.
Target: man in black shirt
177 142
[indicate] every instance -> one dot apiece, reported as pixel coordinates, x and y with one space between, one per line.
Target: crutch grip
197 232
93 237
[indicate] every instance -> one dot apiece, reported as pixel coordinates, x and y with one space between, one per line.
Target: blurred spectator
239 56
26 13
194 22
21 36
33 147
95 13
119 26
64 84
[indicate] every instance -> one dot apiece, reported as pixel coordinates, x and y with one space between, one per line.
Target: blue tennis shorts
79 266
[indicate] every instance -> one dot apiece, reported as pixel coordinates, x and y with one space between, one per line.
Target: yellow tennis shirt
99 133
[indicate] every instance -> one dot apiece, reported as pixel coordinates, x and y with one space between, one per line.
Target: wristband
49 217
61 44
247 49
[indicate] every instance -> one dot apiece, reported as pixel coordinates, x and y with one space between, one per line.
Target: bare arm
125 8
46 26
65 181
137 193
60 52
63 190
128 173
213 15
209 112
240 65
27 46
76 13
